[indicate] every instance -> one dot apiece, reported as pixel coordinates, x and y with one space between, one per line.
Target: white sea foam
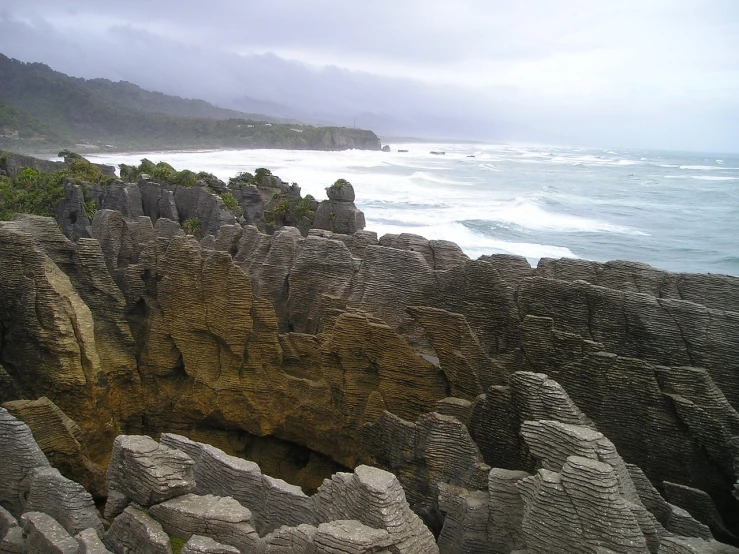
714 178
472 243
509 198
706 168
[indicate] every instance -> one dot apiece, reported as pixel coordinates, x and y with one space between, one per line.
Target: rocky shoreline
572 407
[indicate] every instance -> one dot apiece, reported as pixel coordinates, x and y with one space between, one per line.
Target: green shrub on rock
192 226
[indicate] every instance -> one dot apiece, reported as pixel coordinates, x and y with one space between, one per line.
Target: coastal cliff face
516 406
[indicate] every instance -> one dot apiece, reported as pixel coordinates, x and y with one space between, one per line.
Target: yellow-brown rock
62 442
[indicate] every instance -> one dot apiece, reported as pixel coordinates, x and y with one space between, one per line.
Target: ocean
674 210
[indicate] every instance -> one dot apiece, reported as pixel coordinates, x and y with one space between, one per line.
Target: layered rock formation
516 406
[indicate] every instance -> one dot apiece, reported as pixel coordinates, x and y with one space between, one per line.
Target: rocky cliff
572 407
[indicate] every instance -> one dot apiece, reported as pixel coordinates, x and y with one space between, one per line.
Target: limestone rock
676 426
511 268
46 490
466 523
67 337
167 228
455 407
713 291
469 370
220 518
9 390
199 203
657 330
121 239
321 268
699 505
682 545
13 542
376 499
554 504
147 472
506 507
251 204
342 191
338 213
206 545
13 164
436 449
45 536
157 201
272 502
7 522
71 212
62 442
135 532
124 198
21 455
291 540
90 542
350 537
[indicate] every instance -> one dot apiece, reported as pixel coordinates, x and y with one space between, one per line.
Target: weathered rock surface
62 442
220 518
90 542
375 498
339 214
205 545
272 502
71 213
398 351
350 537
147 472
46 490
43 535
135 532
20 456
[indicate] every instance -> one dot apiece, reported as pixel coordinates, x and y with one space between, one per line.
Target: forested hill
101 112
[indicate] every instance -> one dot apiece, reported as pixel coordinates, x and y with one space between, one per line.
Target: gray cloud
653 74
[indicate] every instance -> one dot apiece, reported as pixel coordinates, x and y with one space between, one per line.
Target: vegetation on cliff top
37 192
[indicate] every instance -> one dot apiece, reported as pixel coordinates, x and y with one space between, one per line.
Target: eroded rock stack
506 400
150 502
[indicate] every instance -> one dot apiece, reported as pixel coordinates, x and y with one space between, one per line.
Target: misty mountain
99 111
39 91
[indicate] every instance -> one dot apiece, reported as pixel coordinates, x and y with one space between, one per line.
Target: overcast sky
641 73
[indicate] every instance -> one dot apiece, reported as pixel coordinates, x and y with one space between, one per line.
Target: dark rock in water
438 153
386 148
339 214
342 191
402 150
